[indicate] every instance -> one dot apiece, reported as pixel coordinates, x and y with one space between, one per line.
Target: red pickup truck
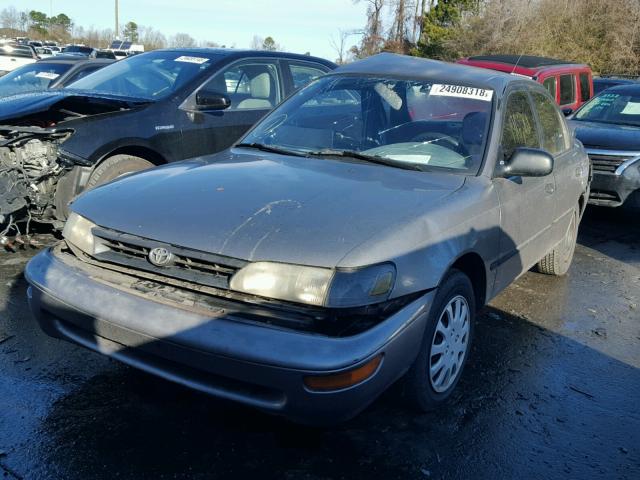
571 84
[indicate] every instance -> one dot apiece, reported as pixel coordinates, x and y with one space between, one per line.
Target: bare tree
339 45
10 18
151 39
373 37
182 40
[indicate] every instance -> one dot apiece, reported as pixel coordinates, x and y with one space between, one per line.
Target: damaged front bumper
217 352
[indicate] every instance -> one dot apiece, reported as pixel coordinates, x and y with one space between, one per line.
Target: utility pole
117 21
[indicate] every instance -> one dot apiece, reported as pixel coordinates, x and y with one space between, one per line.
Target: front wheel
558 260
445 346
116 166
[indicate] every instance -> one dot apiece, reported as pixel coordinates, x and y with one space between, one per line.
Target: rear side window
553 133
567 89
519 125
585 87
550 85
303 74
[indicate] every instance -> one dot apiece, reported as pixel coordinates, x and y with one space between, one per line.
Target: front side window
550 85
567 89
249 85
551 124
519 125
413 124
149 76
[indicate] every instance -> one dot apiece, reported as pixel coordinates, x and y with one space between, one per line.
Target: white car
14 56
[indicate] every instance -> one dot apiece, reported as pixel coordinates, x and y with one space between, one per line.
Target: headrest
473 128
261 86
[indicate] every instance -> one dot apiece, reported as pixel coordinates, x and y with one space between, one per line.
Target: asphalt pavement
552 390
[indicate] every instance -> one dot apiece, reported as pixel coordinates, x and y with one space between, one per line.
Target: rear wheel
445 346
558 260
116 166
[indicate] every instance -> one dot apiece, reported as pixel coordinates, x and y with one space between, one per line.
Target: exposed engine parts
30 169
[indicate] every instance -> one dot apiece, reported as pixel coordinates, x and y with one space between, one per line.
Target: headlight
316 286
77 231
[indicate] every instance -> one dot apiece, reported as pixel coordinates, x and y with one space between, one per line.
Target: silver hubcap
449 344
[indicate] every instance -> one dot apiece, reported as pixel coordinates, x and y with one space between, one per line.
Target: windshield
35 76
151 76
78 49
409 123
611 107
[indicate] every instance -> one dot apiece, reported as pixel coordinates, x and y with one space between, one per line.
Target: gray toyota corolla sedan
344 243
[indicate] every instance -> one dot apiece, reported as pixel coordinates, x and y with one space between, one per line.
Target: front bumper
257 365
611 189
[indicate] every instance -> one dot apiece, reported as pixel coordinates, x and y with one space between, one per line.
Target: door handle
549 188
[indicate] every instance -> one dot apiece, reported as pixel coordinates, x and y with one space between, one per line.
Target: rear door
254 86
527 203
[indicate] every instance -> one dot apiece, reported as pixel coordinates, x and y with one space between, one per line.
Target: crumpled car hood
260 206
24 104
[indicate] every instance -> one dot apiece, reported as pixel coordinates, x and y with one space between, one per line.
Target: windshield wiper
367 158
269 148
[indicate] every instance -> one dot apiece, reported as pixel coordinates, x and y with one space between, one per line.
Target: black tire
558 260
419 388
114 167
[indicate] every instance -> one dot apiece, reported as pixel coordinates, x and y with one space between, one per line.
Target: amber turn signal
342 380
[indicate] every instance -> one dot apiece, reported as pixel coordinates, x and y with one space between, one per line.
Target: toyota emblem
160 257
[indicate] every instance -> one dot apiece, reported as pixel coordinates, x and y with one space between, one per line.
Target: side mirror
567 111
209 100
526 162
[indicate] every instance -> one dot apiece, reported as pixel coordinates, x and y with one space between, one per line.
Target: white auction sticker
186 59
461 92
47 75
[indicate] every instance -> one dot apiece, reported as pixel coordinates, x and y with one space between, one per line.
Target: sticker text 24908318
460 91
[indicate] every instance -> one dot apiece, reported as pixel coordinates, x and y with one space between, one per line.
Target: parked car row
343 242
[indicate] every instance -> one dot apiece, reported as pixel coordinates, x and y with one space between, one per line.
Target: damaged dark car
344 243
147 110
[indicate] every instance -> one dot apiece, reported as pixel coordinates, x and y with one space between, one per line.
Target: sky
298 25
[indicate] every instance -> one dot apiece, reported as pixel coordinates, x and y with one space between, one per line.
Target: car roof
629 89
74 59
526 61
240 53
528 65
403 66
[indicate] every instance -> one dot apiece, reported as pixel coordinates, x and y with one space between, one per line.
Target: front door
254 87
527 203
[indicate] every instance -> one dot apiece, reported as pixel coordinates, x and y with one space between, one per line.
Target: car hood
607 136
257 206
23 104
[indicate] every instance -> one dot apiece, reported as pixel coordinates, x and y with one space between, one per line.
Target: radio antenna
516 65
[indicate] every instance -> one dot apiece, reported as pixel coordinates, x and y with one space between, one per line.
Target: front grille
604 196
609 160
607 163
190 265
